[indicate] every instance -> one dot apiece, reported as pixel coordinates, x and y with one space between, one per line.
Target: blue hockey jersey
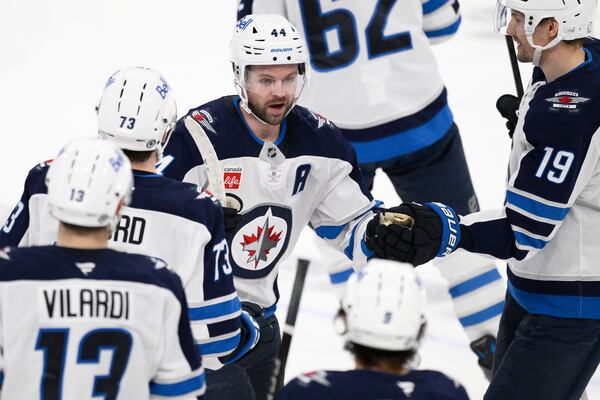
61 308
549 228
373 71
171 220
309 175
372 385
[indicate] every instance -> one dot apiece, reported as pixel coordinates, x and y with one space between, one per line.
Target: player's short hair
81 230
371 357
138 156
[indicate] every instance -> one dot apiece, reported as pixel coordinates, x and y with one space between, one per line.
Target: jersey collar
282 130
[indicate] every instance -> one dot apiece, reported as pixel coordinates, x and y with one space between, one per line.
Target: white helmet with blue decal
266 39
383 306
137 110
87 182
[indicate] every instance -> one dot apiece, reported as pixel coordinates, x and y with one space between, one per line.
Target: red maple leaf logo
565 99
260 244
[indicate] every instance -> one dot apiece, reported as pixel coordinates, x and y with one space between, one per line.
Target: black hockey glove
231 219
508 105
265 330
435 233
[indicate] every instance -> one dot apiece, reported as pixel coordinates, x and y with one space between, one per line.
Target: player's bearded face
271 91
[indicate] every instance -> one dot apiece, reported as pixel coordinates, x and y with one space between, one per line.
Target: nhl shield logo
261 241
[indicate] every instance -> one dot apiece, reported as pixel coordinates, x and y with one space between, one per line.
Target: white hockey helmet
383 306
87 181
574 17
266 39
137 110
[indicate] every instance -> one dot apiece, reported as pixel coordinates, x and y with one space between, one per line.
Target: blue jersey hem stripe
483 315
537 208
449 30
475 283
220 346
340 277
215 310
560 306
179 388
433 5
405 142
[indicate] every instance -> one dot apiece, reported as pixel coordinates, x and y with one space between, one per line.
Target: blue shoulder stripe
215 310
433 5
536 208
449 30
179 388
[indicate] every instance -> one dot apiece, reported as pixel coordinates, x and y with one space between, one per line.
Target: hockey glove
435 233
267 333
231 219
508 105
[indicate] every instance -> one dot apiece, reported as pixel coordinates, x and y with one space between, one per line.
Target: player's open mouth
277 106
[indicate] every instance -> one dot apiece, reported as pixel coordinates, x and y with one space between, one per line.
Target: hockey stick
211 162
288 328
514 64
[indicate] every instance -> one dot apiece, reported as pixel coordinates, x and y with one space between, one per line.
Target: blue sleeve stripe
330 232
1 378
179 388
433 5
483 315
349 250
475 283
340 277
560 306
536 207
215 310
528 241
219 346
449 30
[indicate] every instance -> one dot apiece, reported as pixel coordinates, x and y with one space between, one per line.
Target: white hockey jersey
166 219
78 324
309 175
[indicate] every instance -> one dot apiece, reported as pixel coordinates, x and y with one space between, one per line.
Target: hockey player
286 167
378 80
549 227
382 311
167 219
62 305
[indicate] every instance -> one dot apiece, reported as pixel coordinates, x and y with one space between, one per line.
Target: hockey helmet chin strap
537 54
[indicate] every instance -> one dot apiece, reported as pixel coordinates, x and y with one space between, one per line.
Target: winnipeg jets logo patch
566 100
261 241
205 119
259 244
86 267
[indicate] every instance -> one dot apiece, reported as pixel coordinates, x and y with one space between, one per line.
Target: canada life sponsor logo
232 177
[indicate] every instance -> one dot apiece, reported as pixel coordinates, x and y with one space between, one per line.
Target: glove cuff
450 228
252 335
